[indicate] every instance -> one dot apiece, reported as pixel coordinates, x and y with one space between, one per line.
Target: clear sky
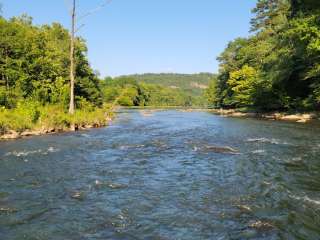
139 36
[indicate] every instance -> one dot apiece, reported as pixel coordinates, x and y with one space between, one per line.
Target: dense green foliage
162 89
32 115
34 78
278 67
191 84
126 91
34 65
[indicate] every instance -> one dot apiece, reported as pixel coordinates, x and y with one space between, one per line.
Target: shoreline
13 135
299 117
274 116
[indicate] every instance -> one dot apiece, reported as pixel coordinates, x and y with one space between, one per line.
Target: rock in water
261 225
7 210
226 150
78 196
10 135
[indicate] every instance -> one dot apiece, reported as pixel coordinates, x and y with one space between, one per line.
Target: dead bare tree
74 29
72 60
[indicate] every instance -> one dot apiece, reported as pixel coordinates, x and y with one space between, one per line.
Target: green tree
243 85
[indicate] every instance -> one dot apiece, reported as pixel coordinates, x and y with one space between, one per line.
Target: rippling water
164 175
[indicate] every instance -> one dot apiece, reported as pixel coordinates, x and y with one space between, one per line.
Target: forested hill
193 84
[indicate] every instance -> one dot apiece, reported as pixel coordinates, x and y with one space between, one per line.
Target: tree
34 63
74 29
270 15
278 67
72 67
211 93
243 84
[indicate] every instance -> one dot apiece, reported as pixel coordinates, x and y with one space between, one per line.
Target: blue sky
138 36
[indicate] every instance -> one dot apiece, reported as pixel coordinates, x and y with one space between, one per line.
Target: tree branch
79 28
106 2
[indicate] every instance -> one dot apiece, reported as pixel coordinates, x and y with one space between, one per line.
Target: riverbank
12 134
279 116
276 116
16 124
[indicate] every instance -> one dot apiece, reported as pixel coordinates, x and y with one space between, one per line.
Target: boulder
10 135
30 133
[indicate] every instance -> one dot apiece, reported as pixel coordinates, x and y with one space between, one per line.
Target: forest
278 66
126 91
157 90
193 84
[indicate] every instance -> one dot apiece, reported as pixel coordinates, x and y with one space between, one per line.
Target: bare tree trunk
72 61
6 77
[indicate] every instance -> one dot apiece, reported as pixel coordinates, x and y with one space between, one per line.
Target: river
164 175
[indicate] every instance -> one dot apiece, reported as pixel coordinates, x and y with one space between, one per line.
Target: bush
33 116
21 118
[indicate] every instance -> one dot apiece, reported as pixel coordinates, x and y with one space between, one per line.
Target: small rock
50 130
302 121
7 210
78 196
216 149
97 182
116 186
244 209
73 127
262 226
30 133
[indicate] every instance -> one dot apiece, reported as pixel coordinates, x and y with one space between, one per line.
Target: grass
33 116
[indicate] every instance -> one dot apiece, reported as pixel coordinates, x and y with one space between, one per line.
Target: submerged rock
261 225
7 210
4 195
110 185
146 113
244 209
247 234
78 195
217 149
116 186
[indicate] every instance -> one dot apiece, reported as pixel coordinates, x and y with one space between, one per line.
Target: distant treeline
127 91
192 84
278 66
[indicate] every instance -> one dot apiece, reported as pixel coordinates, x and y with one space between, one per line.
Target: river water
164 175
